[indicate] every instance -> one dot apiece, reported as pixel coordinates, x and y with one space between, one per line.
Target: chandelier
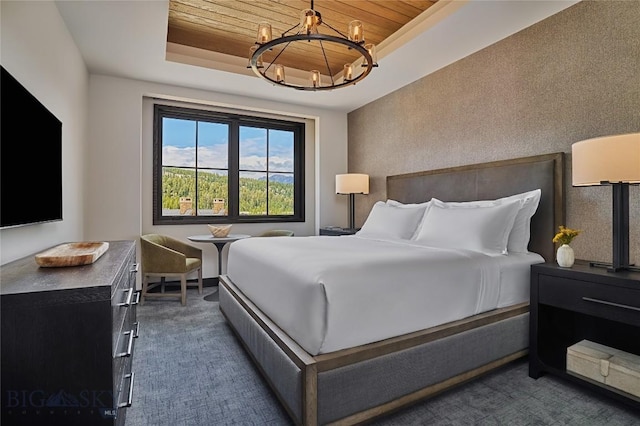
306 31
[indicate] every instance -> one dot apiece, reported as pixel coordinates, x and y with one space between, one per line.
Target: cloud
178 157
280 164
253 162
216 157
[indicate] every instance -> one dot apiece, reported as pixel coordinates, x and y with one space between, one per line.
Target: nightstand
582 302
335 231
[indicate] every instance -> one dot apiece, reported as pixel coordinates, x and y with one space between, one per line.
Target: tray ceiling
229 26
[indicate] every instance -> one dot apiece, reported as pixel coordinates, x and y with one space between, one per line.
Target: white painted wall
119 155
37 49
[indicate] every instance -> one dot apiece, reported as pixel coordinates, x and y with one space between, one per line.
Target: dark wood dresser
67 340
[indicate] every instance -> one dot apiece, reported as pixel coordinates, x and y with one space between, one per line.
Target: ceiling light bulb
355 31
315 78
264 33
259 63
309 21
347 73
279 73
371 48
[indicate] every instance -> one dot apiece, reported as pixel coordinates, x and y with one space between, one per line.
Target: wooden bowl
219 230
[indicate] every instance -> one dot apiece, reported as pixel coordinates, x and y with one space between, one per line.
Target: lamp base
611 268
352 210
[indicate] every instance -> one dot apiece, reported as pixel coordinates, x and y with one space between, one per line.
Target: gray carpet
191 370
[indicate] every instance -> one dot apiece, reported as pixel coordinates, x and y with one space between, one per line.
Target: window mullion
234 166
267 169
196 172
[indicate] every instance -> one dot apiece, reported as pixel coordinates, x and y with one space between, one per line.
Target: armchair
277 233
163 256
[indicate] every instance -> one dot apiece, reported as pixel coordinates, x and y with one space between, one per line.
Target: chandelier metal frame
367 64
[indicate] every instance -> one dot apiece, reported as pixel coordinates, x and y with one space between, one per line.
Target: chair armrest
186 249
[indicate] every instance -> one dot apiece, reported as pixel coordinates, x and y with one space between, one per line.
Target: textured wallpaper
573 76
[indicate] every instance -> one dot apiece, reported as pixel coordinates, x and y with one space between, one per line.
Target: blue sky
178 146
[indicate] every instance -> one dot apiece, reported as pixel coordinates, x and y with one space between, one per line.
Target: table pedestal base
219 243
213 297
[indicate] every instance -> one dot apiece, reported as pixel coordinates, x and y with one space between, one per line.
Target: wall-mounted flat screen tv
30 157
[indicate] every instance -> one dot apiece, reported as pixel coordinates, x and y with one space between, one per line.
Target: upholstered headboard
487 181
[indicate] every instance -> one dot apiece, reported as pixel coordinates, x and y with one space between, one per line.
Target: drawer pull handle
618 305
134 268
137 298
129 376
135 336
129 345
127 302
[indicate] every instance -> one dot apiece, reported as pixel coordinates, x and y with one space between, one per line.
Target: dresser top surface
25 276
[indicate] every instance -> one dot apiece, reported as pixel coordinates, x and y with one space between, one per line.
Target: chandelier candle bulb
348 72
309 21
355 31
315 78
264 33
279 72
371 48
259 63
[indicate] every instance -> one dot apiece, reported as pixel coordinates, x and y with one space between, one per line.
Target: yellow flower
566 235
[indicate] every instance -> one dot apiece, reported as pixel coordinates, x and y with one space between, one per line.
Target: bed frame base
428 391
278 357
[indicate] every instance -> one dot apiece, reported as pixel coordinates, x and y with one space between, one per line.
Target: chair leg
200 280
183 288
161 284
145 281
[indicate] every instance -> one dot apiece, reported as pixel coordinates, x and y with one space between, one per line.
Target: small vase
565 256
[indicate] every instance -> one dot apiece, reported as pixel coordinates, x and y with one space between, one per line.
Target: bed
333 354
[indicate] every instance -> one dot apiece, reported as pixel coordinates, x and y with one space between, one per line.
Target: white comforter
331 293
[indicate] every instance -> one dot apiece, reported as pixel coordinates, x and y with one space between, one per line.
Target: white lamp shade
612 159
352 183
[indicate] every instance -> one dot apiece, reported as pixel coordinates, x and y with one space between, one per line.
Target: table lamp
611 160
352 183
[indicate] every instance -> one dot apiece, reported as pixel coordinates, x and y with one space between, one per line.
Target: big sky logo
23 401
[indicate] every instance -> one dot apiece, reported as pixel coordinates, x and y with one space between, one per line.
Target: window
212 167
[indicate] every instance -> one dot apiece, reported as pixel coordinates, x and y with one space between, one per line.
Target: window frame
235 121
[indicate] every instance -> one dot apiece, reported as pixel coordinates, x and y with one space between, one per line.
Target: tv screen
30 157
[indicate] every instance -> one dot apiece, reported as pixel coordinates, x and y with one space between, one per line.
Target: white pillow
484 228
408 206
521 233
424 206
389 221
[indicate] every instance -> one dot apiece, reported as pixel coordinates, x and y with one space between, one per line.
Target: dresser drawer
122 359
591 298
123 313
125 336
123 386
124 298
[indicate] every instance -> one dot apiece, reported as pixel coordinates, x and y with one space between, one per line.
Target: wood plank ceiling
230 26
